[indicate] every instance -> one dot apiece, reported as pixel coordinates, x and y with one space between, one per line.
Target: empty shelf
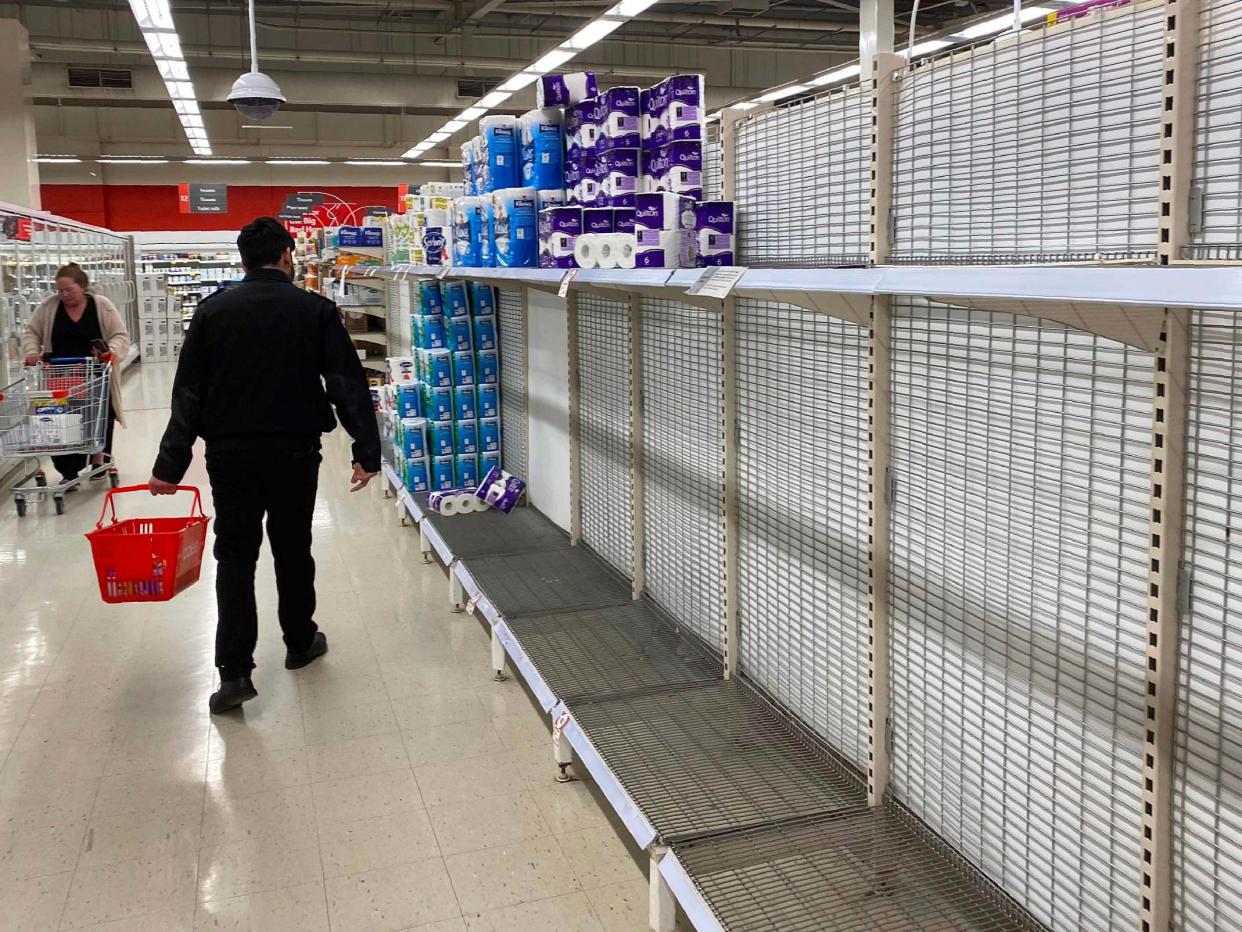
542 581
494 533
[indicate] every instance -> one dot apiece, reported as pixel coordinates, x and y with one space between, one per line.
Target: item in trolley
50 403
500 489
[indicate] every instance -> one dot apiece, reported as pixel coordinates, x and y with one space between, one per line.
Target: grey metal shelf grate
711 758
511 336
870 870
494 533
547 581
597 653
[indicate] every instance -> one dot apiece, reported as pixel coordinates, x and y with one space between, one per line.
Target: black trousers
247 486
71 464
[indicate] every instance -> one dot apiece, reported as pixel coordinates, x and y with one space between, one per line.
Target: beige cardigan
37 339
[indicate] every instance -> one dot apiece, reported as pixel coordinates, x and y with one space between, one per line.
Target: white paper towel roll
586 251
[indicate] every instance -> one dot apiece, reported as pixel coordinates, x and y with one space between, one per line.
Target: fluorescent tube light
518 81
436 163
494 99
152 14
438 137
57 159
297 162
164 45
630 8
217 161
931 45
551 61
472 113
850 71
591 33
782 92
180 90
172 70
377 163
118 160
1001 23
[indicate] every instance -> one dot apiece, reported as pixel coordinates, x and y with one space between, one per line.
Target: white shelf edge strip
687 894
471 588
605 779
513 648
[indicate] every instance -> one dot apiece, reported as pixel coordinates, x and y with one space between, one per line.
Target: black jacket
258 368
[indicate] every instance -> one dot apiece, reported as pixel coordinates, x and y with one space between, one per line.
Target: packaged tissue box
573 181
489 461
443 476
620 170
653 107
588 183
488 372
677 167
501 490
623 219
439 367
408 402
714 230
581 130
685 108
402 368
416 476
429 331
559 229
413 435
438 403
663 211
465 402
620 124
428 297
488 401
563 90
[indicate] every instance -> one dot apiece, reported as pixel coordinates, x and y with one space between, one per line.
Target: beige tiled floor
391 785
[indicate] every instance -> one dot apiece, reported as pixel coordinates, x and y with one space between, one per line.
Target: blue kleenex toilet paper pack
714 230
489 435
500 140
429 331
465 402
489 461
456 299
562 90
466 470
488 372
517 236
553 197
487 242
620 124
559 229
463 369
596 220
443 475
467 231
438 403
413 432
440 434
482 300
428 297
466 437
543 148
409 402
484 333
488 401
438 364
620 172
460 334
416 476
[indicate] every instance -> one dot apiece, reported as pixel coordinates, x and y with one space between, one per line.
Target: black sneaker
231 694
297 660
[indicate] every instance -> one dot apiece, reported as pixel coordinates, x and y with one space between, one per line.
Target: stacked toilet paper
606 251
559 230
664 231
500 152
515 228
715 230
456 502
542 148
562 90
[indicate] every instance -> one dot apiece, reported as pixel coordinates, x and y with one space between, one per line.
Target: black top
262 366
76 339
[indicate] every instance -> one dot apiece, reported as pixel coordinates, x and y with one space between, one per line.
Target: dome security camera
256 96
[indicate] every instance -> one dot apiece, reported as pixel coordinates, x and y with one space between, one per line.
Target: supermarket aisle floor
390 785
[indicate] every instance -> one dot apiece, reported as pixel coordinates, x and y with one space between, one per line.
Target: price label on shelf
559 725
566 280
445 272
474 602
717 281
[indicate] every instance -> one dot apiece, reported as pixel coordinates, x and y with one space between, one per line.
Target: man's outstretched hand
160 487
360 478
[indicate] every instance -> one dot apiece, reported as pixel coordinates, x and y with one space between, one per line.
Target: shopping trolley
59 407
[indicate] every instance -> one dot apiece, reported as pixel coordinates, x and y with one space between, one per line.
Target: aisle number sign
203 198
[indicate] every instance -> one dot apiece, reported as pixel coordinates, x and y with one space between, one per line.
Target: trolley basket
60 406
148 559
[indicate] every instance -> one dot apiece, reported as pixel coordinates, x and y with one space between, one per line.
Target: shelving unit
192 275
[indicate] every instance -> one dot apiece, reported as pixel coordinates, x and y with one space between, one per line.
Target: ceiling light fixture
376 163
129 160
599 28
57 159
217 161
297 162
1001 23
155 20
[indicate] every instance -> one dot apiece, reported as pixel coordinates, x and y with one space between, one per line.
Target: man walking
262 366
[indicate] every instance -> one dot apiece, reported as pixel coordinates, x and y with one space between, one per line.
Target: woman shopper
77 322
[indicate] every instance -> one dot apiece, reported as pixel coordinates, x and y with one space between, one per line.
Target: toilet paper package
488 398
429 332
416 475
586 252
620 119
589 182
409 403
623 219
663 211
488 371
466 437
463 369
437 246
500 489
542 148
489 435
685 107
460 334
482 300
487 238
456 302
563 90
465 403
438 364
440 437
402 368
428 297
620 170
500 144
484 333
489 461
598 220
437 403
553 197
573 182
466 471
664 249
653 106
714 231
443 478
468 170
467 231
677 167
581 130
413 437
559 229
516 226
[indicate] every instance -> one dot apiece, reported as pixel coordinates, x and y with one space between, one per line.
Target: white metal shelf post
879 685
1168 471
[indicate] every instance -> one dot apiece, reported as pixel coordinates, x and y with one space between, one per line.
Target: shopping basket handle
108 503
66 360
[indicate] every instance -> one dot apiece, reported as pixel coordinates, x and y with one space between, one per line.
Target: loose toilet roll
626 250
610 248
586 251
449 505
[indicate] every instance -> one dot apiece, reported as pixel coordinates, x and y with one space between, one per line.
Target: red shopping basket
148 559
